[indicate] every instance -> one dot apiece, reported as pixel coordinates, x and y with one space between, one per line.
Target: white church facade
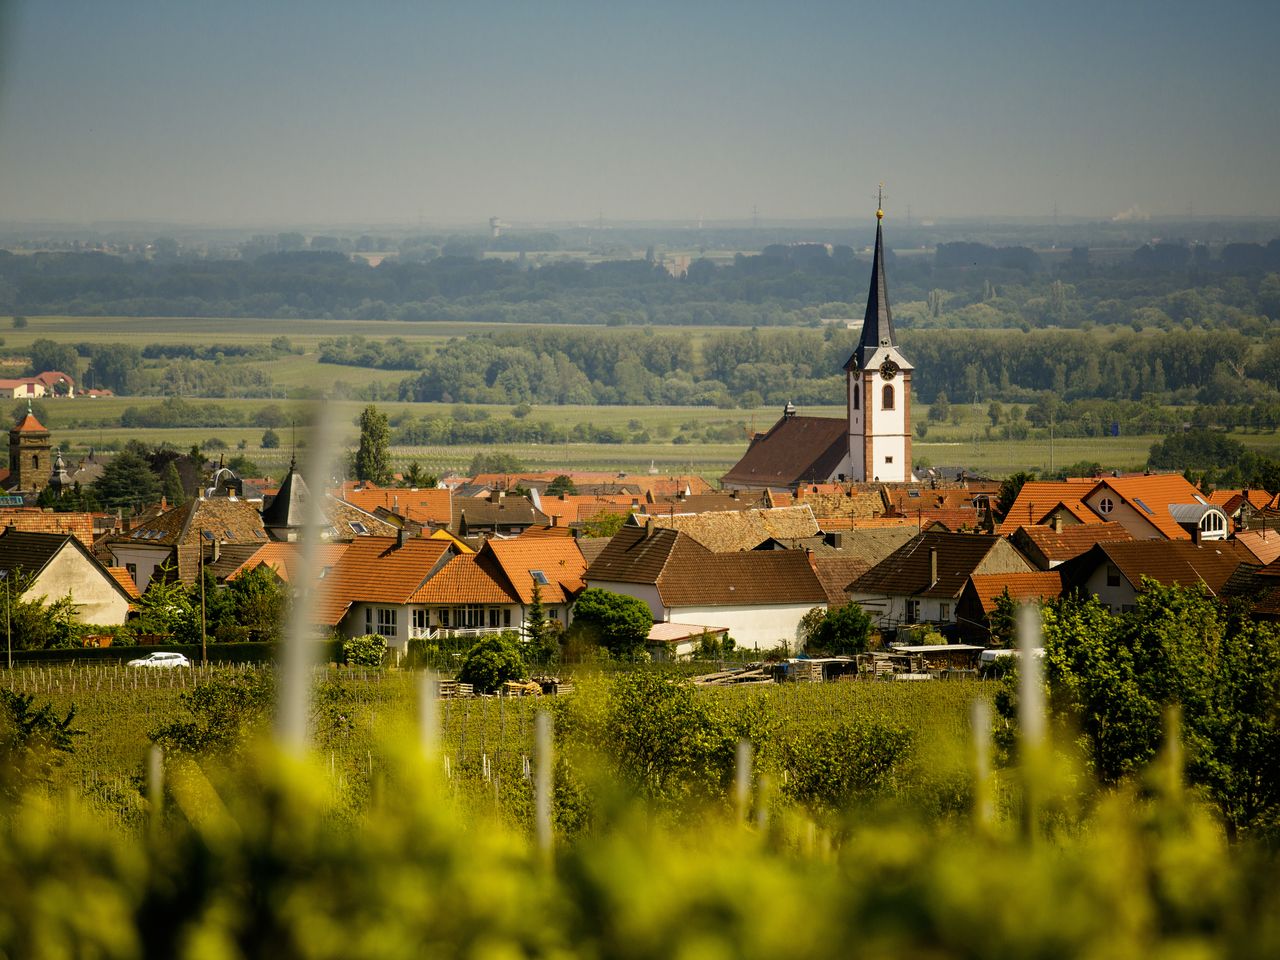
873 442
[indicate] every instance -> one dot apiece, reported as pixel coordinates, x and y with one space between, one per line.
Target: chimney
400 537
933 565
1196 534
1057 523
649 528
217 549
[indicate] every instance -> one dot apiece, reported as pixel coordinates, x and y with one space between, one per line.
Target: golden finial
880 202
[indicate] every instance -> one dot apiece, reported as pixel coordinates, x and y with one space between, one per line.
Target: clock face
888 370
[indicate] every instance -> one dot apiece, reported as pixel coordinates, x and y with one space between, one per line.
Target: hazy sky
261 112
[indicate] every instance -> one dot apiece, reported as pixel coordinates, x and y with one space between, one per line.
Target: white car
165 660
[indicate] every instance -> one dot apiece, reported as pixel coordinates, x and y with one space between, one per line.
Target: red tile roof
285 557
1263 544
29 424
1038 498
425 505
465 579
1157 492
1071 541
376 570
36 520
987 587
123 577
558 558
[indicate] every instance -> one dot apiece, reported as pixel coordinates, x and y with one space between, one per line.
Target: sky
292 113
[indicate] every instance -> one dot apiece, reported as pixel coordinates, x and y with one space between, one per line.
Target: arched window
886 398
857 399
35 462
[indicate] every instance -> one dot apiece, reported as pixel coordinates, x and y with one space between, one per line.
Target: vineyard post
543 785
742 779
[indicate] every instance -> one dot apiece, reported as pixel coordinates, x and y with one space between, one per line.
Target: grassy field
80 424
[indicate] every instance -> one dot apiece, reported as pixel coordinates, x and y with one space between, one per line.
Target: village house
921 581
177 539
59 565
758 596
729 530
1113 572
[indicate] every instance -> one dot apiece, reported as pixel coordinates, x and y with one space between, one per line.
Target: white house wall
144 560
753 628
647 592
97 600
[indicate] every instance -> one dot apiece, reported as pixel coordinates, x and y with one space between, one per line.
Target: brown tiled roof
376 570
30 552
907 500
469 578
36 520
558 558
508 511
341 515
592 547
228 519
1172 563
703 503
830 500
1041 585
795 450
122 577
1263 544
836 571
688 574
730 530
1071 541
231 557
1038 498
907 571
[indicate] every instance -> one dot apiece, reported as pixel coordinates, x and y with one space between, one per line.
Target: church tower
878 386
29 455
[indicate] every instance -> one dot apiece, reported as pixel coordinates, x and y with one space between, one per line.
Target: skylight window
207 534
539 578
1139 502
358 528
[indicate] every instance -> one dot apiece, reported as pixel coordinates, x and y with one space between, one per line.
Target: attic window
358 528
206 534
1106 505
1138 501
230 535
913 493
539 578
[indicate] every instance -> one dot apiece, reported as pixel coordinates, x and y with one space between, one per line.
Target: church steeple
877 323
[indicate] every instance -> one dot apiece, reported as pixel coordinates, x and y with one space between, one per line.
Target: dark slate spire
877 324
286 511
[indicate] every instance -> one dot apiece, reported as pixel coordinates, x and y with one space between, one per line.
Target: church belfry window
886 397
857 399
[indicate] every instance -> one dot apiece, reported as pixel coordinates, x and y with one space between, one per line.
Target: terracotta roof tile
122 577
465 579
424 505
1071 541
558 558
375 569
36 520
1157 492
1041 585
1263 544
1038 498
285 557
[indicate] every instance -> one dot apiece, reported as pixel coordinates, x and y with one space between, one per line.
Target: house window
419 621
386 621
444 616
888 459
539 577
1113 575
886 397
1106 505
944 611
359 529
133 571
493 616
368 619
555 613
913 611
506 617
468 617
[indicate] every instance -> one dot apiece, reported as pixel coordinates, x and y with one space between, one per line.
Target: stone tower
30 460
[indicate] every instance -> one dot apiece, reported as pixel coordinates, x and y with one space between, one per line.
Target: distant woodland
1086 345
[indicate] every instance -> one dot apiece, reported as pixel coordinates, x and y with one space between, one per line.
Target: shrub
492 662
616 621
366 651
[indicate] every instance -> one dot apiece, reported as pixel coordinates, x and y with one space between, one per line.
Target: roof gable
909 570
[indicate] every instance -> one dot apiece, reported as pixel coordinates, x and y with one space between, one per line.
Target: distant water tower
495 227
